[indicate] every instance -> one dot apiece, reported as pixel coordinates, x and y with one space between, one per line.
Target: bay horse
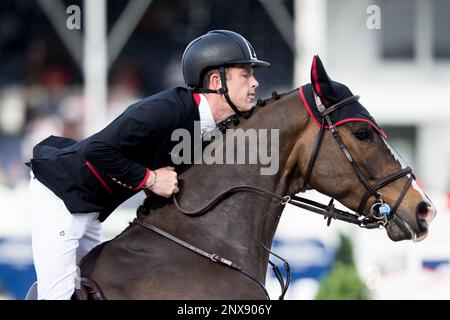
327 142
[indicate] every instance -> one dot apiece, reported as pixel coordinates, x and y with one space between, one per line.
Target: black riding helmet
216 50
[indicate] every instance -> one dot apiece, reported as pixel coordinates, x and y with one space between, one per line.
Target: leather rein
380 213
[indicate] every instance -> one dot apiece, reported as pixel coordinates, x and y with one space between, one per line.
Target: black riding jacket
99 173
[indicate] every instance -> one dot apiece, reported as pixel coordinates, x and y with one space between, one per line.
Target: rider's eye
363 135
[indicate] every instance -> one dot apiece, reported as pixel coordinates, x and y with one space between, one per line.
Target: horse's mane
236 121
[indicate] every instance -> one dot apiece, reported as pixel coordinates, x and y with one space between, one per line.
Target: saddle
89 290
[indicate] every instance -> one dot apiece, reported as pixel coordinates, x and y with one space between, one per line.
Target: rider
76 185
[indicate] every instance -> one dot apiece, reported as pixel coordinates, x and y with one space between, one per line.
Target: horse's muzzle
425 213
401 228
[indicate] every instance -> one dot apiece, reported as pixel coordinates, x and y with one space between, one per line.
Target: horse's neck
237 226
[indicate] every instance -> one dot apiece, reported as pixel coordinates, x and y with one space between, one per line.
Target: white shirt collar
207 123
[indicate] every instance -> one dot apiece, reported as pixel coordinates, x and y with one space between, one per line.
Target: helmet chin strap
224 91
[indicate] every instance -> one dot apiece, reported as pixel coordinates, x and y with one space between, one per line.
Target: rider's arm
130 136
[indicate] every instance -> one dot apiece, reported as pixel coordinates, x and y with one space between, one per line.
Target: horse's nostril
422 211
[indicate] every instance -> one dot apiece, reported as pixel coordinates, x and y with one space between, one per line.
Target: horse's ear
322 84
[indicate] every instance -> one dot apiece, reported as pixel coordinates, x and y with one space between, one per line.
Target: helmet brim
255 63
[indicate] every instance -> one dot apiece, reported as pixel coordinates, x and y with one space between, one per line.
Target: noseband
380 211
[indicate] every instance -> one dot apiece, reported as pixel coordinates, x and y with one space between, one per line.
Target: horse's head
344 154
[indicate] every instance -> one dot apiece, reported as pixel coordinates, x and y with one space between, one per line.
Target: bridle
380 210
380 214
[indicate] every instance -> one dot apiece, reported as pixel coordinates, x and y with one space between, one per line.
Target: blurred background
69 67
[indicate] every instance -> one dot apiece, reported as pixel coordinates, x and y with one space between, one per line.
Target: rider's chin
245 108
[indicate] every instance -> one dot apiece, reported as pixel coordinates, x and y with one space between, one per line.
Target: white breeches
60 239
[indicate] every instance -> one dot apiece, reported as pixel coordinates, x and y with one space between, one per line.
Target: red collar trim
197 98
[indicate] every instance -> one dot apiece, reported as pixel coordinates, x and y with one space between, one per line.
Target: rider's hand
166 182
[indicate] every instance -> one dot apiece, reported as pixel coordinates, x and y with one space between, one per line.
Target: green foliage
344 253
343 282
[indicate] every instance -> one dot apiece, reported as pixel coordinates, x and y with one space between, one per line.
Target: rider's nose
424 214
255 83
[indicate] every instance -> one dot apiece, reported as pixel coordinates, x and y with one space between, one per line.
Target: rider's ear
322 84
215 81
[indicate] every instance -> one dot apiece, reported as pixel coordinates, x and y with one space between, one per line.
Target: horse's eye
363 134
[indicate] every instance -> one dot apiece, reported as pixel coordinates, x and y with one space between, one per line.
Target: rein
328 211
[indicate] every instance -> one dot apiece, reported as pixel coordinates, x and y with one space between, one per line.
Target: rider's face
241 86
